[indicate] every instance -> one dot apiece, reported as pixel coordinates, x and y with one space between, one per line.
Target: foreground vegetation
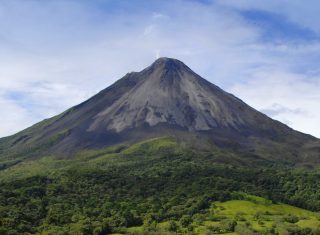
251 215
157 187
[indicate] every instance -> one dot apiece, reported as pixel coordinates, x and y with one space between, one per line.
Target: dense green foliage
154 182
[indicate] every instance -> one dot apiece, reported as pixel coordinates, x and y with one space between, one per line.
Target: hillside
153 182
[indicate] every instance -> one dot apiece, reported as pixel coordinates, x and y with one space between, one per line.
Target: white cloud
289 98
300 12
13 117
157 15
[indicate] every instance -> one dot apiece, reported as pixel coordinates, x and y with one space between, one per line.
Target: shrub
242 229
291 218
228 225
173 226
300 231
185 220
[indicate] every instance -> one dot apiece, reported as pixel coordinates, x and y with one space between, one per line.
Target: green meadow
252 215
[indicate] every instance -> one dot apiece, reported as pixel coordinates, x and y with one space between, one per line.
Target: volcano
165 99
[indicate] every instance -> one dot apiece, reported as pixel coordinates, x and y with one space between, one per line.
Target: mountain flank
165 99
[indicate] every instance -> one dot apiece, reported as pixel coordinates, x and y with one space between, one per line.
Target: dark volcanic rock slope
167 98
169 92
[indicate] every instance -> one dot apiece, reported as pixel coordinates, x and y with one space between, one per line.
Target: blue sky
56 53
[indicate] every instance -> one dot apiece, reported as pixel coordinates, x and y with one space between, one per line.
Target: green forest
158 187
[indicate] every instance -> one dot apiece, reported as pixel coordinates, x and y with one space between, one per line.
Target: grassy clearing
153 146
260 216
253 215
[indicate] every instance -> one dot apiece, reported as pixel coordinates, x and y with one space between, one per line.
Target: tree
185 220
173 226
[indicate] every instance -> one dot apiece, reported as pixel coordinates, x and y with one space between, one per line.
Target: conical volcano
168 92
165 99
